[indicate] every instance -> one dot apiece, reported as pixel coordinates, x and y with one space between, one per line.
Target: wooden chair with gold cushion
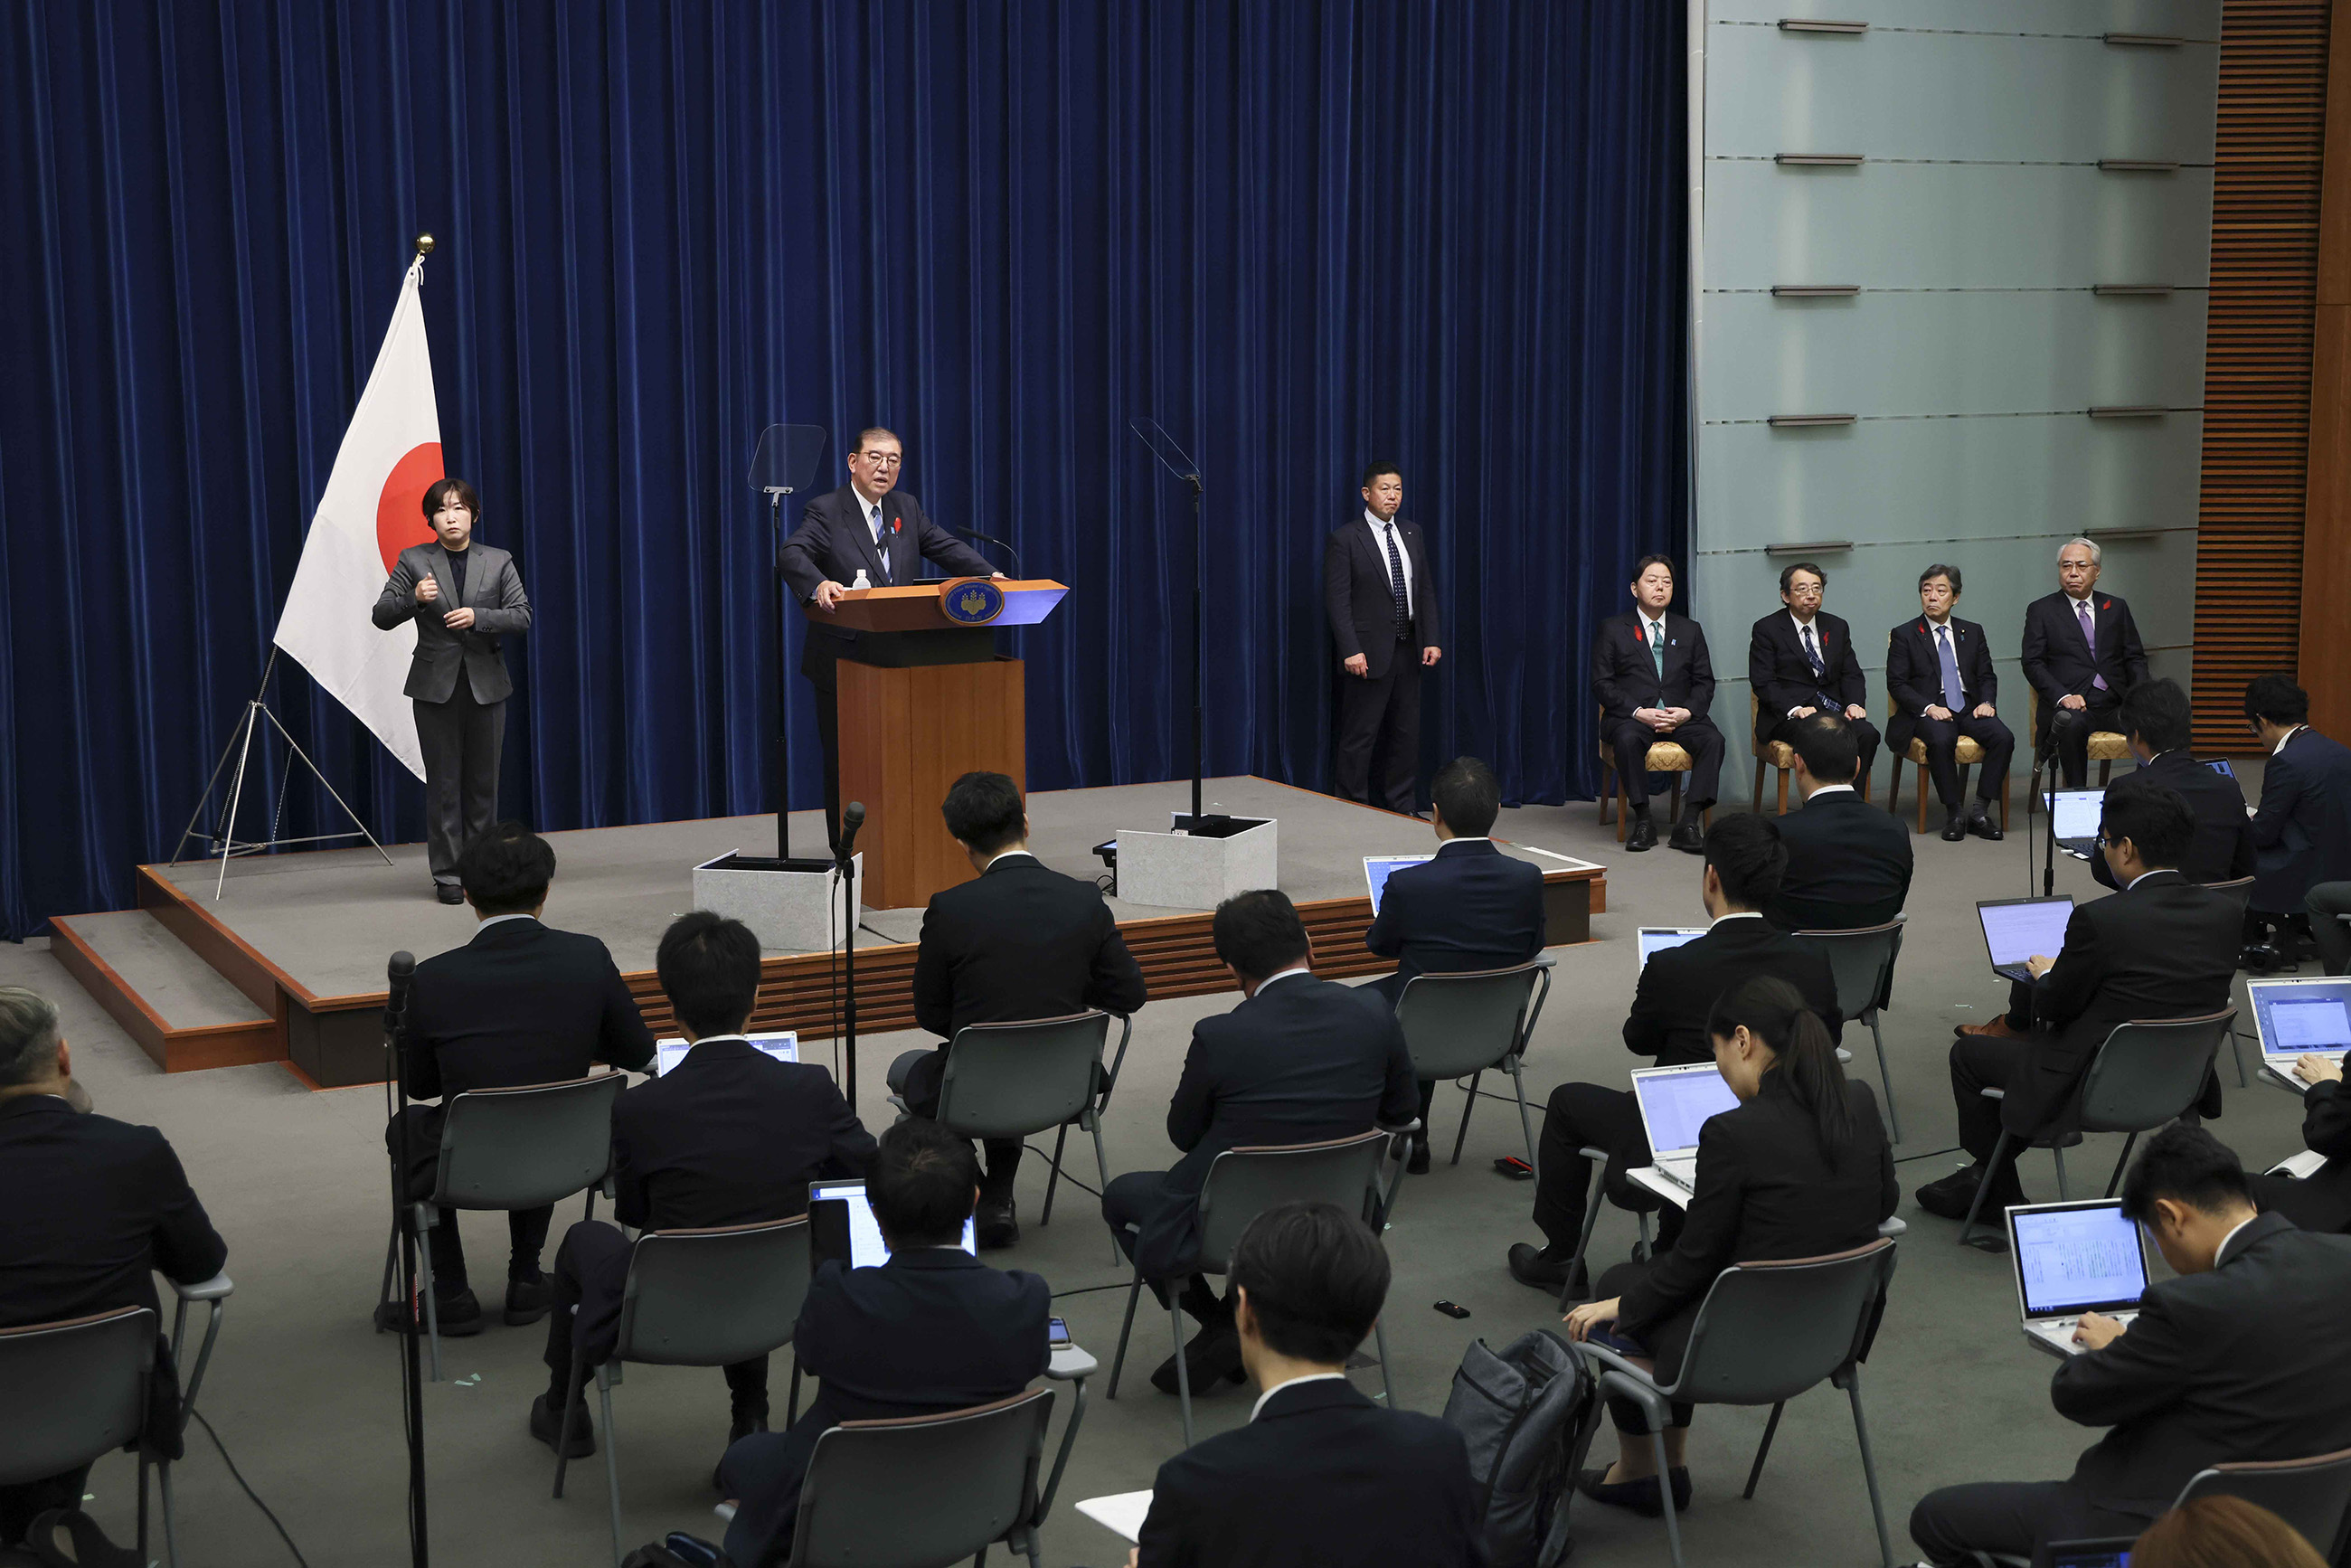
2106 748
1780 755
1665 757
1966 753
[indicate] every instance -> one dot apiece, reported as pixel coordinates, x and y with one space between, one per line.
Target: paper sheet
1121 1512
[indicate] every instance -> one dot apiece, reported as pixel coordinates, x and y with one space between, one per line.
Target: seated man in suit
1938 671
1471 907
933 1328
521 1003
2157 719
728 1137
1654 680
1022 941
1319 1474
2302 834
2240 1357
2082 653
1298 1061
1848 863
2321 1200
1801 662
2163 948
1677 990
95 1208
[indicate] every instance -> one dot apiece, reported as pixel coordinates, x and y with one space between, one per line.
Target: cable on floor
247 1488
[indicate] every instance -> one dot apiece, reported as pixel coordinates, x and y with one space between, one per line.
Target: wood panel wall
2325 659
2258 355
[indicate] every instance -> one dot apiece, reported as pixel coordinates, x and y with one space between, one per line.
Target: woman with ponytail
1799 1168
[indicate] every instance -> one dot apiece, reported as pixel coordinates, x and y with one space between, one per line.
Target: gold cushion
1966 752
1668 757
2106 746
1779 754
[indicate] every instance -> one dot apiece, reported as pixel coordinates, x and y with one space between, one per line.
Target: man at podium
867 534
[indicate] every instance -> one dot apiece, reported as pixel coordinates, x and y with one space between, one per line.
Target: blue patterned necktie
1395 584
1820 673
2090 636
1953 698
881 540
1658 650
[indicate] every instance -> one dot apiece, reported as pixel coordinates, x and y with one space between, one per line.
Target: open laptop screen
2074 1258
2015 929
1677 1101
2079 812
2296 1015
1377 869
866 1248
1655 939
784 1047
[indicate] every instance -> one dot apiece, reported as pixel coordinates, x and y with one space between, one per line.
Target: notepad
1121 1512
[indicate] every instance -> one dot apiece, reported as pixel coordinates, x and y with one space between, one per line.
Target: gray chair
707 1297
1766 1332
2147 1072
1243 1184
1861 960
2238 892
78 1388
520 1147
2312 1495
1463 1025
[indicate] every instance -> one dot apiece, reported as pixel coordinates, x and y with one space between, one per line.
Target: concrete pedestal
799 911
1177 870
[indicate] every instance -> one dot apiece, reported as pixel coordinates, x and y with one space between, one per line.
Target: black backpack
1523 1411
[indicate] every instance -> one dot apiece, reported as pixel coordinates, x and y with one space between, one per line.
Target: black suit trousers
1951 1523
1980 1061
526 1228
918 1085
1865 735
460 739
1667 1343
2069 733
1588 1115
592 1269
1379 732
1631 740
1941 736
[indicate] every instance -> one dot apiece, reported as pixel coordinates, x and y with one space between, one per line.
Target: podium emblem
971 600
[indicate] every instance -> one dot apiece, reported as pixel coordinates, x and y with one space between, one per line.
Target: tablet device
1377 869
2221 765
1655 939
2079 812
2294 1018
784 1047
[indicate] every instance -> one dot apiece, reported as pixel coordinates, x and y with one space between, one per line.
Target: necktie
1395 584
1820 673
1953 697
1658 650
2090 636
881 542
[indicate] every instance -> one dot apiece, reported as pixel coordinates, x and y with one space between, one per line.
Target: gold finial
424 245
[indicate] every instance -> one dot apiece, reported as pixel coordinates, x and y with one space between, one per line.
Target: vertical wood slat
2325 658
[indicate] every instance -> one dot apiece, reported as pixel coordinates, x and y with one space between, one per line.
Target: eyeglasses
882 459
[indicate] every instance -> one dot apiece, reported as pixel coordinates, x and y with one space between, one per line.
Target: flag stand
225 842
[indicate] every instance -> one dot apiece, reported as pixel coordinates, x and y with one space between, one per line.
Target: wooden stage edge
337 1042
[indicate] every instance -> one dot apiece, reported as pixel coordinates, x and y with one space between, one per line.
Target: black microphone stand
399 972
852 817
2049 765
999 544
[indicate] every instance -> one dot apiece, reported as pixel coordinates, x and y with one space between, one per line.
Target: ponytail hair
1770 1010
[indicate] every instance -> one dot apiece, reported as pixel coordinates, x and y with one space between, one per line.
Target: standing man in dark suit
1299 1061
933 1328
2163 948
521 1003
2157 719
2242 1356
1671 1003
465 598
1655 682
1802 662
868 529
95 1209
2081 653
1319 1474
1022 941
2302 834
1938 671
728 1137
1848 863
1382 608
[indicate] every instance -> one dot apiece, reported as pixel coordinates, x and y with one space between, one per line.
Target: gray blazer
492 592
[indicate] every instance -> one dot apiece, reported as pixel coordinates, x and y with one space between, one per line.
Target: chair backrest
1466 1022
715 1296
1768 1331
2148 1072
923 1491
1861 960
2238 892
527 1146
2314 1495
1009 1080
76 1389
1244 1183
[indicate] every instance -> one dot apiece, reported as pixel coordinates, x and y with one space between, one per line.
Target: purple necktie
2090 636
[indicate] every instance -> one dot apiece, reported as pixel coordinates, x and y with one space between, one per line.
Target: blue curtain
1301 234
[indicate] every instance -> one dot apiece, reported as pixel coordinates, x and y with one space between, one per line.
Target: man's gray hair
28 1036
2097 556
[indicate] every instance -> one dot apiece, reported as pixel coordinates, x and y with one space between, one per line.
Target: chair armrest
214 1294
1610 1361
1070 1362
1404 1131
1062 1370
1993 1094
216 1289
1110 1079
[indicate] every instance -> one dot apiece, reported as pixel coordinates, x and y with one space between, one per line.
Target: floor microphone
852 817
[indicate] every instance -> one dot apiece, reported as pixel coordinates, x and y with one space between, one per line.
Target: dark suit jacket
1359 604
1321 1475
493 592
729 1136
1472 907
521 1003
2223 848
1848 865
1021 941
1766 1188
2163 949
2322 1199
1625 677
2248 1361
833 541
1914 673
2301 835
1782 678
2059 664
1680 986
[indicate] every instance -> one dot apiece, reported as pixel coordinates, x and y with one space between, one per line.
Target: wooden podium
924 698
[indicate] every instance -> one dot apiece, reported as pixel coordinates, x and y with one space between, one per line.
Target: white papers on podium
1121 1512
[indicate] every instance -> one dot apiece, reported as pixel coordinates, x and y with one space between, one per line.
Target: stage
288 963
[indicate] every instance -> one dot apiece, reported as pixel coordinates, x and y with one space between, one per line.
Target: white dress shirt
1312 1377
1380 532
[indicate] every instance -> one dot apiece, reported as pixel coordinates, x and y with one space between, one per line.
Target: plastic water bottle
861 581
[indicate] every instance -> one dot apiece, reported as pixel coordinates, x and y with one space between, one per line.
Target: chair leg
1599 1159
1868 1466
1102 1169
611 1446
1133 1292
1884 1078
1467 1105
2237 1049
1183 1367
1921 792
142 1507
425 1288
589 1212
392 1252
1967 1230
1770 1430
1526 1120
1642 1216
2121 1160
1388 1383
1784 790
1756 794
1664 1481
1060 1141
572 1403
170 1524
2063 1192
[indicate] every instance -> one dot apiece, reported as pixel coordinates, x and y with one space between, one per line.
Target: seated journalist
1848 863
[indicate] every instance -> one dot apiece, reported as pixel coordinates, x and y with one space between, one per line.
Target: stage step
179 1009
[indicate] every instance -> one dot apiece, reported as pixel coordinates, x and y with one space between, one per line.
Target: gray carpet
307 1396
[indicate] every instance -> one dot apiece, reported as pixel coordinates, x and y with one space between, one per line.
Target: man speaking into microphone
868 525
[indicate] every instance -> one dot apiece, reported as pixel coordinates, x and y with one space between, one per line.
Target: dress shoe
1643 836
459 1315
545 1417
448 892
1980 824
1950 1197
1213 1355
526 1300
998 1223
1689 837
1996 1030
1643 1496
1550 1272
1417 1162
1954 828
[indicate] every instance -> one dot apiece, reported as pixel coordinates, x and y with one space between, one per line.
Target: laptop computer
2114 1551
2071 1259
784 1047
2294 1018
1675 1103
1655 939
2078 816
841 1225
1377 869
2014 929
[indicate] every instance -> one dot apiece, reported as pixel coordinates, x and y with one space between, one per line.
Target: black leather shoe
1981 825
998 1223
1417 1162
526 1300
1954 828
458 1315
1689 837
1643 835
1213 1356
1950 1197
579 1443
1549 1271
448 892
